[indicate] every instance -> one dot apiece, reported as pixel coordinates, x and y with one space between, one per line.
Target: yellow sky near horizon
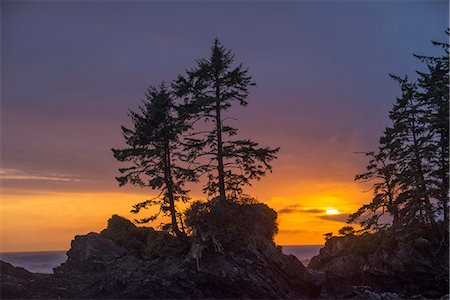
48 221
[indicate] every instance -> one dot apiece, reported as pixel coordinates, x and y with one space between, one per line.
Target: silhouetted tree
434 87
411 149
152 152
209 90
347 231
412 163
383 171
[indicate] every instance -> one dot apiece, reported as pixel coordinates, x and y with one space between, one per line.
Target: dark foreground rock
407 263
19 283
242 262
125 261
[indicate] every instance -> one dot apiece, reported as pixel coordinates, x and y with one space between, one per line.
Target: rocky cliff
401 263
125 261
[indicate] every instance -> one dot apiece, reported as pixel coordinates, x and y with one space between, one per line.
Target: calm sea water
36 262
44 262
304 252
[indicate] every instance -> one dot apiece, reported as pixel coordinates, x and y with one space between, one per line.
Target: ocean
44 262
35 262
303 252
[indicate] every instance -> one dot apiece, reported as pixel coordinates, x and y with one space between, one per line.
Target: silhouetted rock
153 265
14 280
125 261
409 262
91 252
99 267
19 283
126 235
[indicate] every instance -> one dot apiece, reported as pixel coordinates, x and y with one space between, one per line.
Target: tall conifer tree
434 93
382 171
411 149
209 90
416 149
152 152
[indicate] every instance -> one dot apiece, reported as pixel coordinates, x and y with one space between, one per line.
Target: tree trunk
220 167
443 131
444 187
182 224
169 184
392 208
420 174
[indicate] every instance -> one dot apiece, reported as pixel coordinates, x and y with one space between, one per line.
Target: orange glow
307 221
50 220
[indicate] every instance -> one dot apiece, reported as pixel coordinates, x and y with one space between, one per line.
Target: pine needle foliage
209 90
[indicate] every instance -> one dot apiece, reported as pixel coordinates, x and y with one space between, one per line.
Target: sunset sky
72 70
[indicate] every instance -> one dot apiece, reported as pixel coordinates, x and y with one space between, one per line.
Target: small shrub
234 225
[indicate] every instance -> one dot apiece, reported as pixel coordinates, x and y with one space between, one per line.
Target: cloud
298 231
312 210
14 174
298 209
336 218
287 210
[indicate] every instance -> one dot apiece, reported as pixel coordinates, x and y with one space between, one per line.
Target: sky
71 71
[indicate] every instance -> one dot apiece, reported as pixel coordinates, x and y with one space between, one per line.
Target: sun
332 211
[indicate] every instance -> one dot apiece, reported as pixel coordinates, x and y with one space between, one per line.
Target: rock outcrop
19 283
129 262
125 261
392 264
